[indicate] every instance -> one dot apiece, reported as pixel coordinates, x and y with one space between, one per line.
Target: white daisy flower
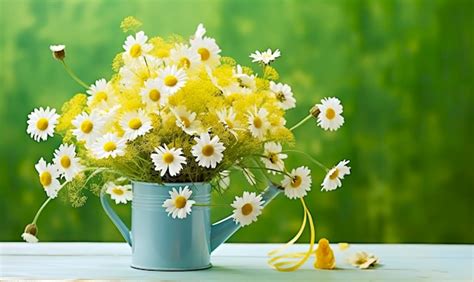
135 124
265 57
247 208
179 204
136 47
363 260
153 94
207 49
200 31
258 122
298 183
273 157
41 123
173 79
246 82
88 126
184 57
329 116
187 121
119 193
101 95
283 94
48 176
109 145
135 72
59 52
168 159
208 152
333 178
227 118
66 161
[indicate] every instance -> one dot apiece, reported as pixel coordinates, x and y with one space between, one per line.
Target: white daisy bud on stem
30 233
59 52
314 111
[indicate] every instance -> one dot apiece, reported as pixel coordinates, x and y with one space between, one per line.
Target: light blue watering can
160 242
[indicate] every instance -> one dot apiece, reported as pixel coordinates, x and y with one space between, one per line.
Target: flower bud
314 111
30 233
31 229
59 52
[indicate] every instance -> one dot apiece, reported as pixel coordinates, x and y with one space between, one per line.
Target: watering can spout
222 230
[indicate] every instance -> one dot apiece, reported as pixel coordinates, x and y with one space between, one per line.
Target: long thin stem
73 75
97 171
301 122
310 158
147 67
211 205
41 209
276 170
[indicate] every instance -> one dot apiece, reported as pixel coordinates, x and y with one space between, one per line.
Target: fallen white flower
363 260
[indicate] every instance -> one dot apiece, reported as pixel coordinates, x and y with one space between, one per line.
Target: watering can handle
114 217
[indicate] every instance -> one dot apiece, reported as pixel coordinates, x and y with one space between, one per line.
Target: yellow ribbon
287 262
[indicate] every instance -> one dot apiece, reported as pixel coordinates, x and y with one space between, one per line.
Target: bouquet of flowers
176 110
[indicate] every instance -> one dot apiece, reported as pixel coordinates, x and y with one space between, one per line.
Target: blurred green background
403 70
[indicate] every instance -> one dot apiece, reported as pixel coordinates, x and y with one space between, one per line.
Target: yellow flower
70 110
130 23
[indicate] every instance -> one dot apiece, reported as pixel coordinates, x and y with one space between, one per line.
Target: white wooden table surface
234 262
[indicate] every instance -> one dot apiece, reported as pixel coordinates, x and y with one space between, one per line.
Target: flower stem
73 75
301 122
310 158
270 169
211 205
41 209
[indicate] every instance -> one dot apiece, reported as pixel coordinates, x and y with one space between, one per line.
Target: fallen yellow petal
343 246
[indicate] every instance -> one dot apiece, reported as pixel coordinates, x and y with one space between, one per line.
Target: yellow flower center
65 161
168 157
162 53
334 174
184 63
154 95
110 146
247 209
46 178
208 150
185 121
205 54
257 122
42 124
101 96
296 182
273 158
281 97
171 80
135 123
180 202
330 113
87 126
136 50
117 191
